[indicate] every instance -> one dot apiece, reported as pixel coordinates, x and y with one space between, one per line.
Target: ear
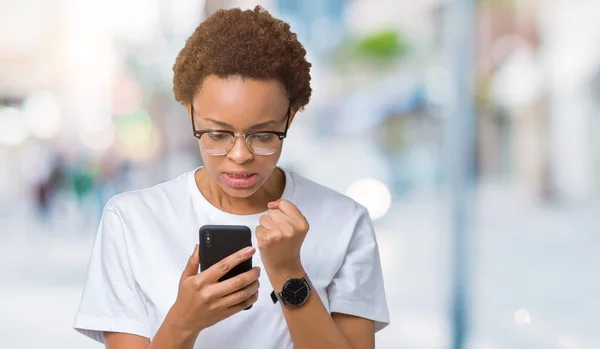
292 115
188 107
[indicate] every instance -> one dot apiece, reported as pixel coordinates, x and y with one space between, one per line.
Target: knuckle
305 226
262 220
223 266
252 299
197 283
212 306
206 295
248 301
238 283
242 295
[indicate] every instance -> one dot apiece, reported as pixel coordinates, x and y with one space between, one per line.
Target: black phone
220 241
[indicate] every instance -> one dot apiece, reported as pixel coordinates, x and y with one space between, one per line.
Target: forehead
238 101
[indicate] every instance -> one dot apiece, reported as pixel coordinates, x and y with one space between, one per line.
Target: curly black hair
250 44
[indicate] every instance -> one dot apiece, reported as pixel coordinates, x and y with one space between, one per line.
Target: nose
239 153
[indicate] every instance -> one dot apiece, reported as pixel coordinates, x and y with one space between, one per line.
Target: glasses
220 142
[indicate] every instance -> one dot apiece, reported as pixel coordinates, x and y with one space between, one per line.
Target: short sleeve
357 288
110 300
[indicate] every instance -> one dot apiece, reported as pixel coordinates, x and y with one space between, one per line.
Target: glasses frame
279 134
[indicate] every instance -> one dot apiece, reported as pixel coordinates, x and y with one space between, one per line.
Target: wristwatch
294 293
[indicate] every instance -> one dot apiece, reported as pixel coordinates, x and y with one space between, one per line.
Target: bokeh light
13 130
42 113
522 317
136 139
373 194
99 139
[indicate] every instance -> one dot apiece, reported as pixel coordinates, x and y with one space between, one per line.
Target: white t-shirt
145 238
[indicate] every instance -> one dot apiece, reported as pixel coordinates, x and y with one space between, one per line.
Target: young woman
242 77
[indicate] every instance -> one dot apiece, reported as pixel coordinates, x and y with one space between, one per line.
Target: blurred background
87 111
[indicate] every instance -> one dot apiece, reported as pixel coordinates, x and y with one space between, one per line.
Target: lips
240 179
240 175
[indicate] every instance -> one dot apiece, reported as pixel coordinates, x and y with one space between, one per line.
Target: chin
239 193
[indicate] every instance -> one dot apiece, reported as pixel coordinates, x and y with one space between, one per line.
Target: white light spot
522 317
12 127
372 194
99 139
42 113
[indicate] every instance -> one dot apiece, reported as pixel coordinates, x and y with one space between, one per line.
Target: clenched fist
280 236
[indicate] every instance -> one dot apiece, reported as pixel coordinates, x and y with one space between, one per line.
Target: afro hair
251 44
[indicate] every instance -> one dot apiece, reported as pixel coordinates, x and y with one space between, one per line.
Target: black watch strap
274 297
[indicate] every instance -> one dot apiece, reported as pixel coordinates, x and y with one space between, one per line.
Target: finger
191 268
261 235
268 223
239 296
237 283
278 216
218 270
241 306
288 208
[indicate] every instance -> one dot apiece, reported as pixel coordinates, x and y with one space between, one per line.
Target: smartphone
220 241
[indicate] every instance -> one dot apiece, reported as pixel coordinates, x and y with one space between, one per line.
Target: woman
242 77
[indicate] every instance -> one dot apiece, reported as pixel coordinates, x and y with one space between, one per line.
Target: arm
311 326
358 332
280 236
169 336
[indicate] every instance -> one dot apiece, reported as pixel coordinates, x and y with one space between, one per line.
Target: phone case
224 241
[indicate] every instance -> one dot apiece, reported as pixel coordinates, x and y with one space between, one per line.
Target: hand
203 301
280 236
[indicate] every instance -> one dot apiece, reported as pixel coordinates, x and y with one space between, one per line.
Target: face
240 105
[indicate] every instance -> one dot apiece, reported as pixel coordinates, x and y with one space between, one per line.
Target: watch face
295 292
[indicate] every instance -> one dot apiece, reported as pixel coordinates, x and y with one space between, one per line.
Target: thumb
192 265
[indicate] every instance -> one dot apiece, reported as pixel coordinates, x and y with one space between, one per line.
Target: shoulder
328 202
153 198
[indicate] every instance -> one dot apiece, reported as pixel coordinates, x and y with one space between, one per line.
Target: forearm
310 325
172 336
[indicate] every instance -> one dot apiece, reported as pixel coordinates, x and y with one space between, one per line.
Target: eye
264 137
218 136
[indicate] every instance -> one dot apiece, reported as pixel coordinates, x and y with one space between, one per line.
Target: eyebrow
253 127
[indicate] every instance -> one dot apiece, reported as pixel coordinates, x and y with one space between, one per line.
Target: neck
271 190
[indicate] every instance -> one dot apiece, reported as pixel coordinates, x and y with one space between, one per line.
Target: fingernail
249 250
195 250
